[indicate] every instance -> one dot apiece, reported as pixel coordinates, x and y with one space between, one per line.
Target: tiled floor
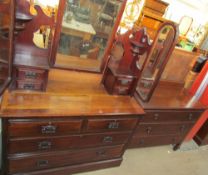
160 161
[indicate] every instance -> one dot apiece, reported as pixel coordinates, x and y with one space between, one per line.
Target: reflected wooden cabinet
6 42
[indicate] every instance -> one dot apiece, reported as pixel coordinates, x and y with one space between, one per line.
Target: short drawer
63 158
31 74
44 127
65 142
137 142
102 125
162 129
30 85
171 116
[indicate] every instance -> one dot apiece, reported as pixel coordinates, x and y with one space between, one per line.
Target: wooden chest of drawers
161 127
49 145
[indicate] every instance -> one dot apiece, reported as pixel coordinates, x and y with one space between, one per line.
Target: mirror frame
167 56
57 33
11 47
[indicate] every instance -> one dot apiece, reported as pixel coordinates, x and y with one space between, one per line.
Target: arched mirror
157 58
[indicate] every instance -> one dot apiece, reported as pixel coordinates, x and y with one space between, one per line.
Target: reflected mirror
85 31
156 60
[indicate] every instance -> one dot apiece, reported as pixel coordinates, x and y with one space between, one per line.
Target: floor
160 161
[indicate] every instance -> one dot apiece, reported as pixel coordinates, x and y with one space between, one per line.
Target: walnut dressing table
74 126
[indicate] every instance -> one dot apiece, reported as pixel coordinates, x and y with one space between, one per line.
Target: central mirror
85 31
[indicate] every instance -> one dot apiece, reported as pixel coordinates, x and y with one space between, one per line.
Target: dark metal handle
32 75
29 86
190 117
149 129
182 128
101 153
42 163
141 142
44 145
49 129
113 125
156 116
108 139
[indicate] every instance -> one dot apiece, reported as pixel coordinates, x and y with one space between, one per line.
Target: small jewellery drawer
163 129
21 164
30 85
170 116
21 145
154 141
101 125
31 74
44 127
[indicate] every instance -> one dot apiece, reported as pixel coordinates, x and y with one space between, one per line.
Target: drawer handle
29 86
42 163
182 128
49 129
113 125
141 142
108 139
156 116
31 75
190 116
44 145
149 130
101 153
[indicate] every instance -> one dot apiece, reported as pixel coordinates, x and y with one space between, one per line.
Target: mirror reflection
86 28
155 61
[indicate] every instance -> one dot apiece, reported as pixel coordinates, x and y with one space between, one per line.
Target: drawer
63 158
65 142
31 74
154 141
44 127
171 116
121 90
30 85
102 125
163 129
124 81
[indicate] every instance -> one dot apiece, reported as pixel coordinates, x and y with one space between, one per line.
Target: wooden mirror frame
56 38
171 46
10 53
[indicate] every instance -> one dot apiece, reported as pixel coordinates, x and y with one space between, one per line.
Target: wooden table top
69 93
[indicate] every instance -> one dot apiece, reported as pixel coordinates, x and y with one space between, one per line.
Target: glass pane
86 28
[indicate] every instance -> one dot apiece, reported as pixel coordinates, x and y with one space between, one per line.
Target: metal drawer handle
190 116
156 116
113 125
149 130
29 86
141 142
44 145
182 128
32 75
101 153
108 139
42 163
49 129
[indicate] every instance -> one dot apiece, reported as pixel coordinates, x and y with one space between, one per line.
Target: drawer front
124 82
102 125
35 128
163 129
30 85
170 116
31 74
154 141
66 142
58 159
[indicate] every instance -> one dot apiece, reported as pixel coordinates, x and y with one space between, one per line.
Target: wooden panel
58 159
162 129
101 125
170 116
156 5
137 142
65 142
30 85
30 127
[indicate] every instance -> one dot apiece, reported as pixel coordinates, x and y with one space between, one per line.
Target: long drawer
105 125
25 145
173 116
154 141
51 160
43 127
162 129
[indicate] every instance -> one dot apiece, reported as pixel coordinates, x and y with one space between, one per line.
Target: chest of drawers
65 145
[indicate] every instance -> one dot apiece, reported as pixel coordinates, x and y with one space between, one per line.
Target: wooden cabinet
201 138
42 145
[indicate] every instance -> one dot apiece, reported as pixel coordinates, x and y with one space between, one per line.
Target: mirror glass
86 28
155 61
